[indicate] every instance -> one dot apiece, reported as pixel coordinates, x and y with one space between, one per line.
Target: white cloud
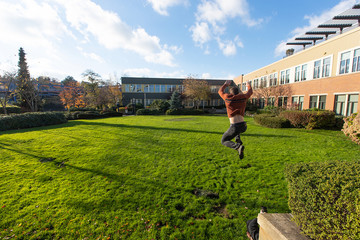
227 47
313 22
146 72
206 76
32 24
93 56
161 6
201 33
212 17
110 31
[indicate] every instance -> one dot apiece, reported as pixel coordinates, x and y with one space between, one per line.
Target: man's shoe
241 151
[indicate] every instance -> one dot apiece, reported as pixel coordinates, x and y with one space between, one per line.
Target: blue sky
217 39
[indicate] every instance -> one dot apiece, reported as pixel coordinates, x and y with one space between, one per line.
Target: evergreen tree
25 85
175 101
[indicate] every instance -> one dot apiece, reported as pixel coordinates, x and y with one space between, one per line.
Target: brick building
324 75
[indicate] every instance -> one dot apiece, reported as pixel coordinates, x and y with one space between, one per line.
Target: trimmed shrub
310 119
149 112
184 111
351 127
84 109
30 120
324 198
111 114
271 121
10 110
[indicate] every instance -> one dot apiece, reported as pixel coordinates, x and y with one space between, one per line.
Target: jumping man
235 106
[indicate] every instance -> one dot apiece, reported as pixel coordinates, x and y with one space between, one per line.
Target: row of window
320 68
344 104
159 88
212 102
151 88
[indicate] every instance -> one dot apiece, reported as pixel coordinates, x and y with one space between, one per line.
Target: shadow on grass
92 123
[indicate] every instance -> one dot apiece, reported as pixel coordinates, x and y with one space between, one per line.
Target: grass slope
149 177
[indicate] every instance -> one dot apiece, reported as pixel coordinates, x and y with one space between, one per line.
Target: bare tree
196 90
284 90
7 83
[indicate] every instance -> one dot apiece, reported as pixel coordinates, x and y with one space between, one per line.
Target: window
243 88
318 101
326 67
297 74
317 66
345 62
273 79
127 87
313 101
157 88
322 102
340 104
261 103
282 101
301 102
287 76
271 101
162 88
352 104
256 83
282 77
263 82
171 88
303 72
356 61
298 101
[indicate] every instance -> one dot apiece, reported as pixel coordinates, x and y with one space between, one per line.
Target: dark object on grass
205 193
43 160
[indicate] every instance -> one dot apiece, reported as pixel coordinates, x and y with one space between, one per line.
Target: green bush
271 121
310 119
30 120
84 109
184 111
10 110
149 112
351 127
324 198
91 114
110 114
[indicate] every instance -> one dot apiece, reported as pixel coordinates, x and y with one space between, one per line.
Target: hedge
10 110
184 111
271 121
91 115
351 127
310 119
30 120
149 112
324 198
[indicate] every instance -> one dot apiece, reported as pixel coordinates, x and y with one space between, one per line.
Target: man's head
234 90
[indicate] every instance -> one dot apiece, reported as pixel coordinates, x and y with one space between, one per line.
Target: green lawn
148 177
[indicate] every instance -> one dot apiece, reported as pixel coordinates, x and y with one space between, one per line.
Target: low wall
278 226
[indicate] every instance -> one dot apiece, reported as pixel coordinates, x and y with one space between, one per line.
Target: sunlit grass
160 177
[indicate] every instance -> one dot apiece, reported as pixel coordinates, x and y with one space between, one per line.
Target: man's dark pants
233 131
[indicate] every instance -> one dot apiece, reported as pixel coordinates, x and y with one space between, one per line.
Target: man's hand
248 84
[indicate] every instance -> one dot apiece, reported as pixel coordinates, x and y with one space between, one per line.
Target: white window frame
351 50
346 100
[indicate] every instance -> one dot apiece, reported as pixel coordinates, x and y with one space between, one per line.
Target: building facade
324 75
146 90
